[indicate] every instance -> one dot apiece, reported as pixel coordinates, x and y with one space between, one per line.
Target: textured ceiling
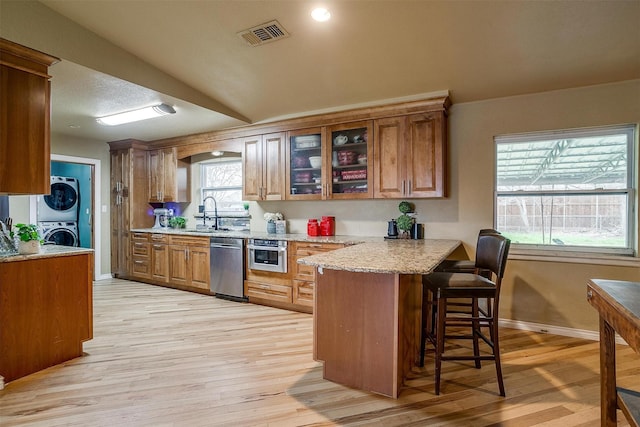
369 51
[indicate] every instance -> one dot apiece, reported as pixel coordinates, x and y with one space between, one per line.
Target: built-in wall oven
267 255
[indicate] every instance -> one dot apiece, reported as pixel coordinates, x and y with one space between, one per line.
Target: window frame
204 189
630 191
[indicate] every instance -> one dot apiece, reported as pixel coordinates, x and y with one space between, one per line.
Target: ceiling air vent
264 33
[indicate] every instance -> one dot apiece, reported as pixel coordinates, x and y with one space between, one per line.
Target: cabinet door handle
403 187
409 188
186 254
157 246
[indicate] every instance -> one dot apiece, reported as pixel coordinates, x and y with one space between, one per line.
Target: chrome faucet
215 212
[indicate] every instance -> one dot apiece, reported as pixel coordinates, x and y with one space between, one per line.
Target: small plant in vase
177 222
271 219
29 238
406 220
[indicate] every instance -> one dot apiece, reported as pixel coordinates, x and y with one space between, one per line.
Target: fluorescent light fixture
320 14
136 115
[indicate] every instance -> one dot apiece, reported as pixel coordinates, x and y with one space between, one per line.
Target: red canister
328 226
313 229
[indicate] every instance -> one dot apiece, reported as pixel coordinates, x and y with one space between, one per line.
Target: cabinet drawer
269 291
140 237
139 249
140 268
303 292
189 240
305 272
158 238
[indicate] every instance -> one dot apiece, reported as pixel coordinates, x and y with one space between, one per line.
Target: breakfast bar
367 304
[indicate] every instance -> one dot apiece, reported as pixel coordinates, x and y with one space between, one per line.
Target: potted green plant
406 220
29 238
177 222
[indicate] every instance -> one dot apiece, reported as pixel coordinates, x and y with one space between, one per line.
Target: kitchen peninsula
366 314
46 308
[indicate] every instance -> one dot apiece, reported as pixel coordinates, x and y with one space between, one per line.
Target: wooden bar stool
439 287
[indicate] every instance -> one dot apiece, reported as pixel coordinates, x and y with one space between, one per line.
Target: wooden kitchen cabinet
304 276
304 181
350 158
128 205
25 116
46 311
189 261
169 178
263 165
140 256
410 156
159 257
270 288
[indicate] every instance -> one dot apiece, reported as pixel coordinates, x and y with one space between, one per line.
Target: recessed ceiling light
217 153
136 115
74 126
320 14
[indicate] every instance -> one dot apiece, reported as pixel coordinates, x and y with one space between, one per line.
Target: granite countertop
386 256
47 251
293 237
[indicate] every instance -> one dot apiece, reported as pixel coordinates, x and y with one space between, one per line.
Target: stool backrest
492 252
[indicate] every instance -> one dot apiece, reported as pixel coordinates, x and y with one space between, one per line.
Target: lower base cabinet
46 312
183 262
172 260
268 291
304 276
293 290
159 258
189 261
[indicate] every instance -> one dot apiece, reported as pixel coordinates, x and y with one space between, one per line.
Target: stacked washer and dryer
58 212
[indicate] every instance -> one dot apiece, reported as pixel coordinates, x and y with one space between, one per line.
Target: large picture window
223 181
570 190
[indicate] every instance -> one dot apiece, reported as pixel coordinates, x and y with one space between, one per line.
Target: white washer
62 204
60 232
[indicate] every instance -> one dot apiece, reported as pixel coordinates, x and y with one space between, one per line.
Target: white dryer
60 232
63 202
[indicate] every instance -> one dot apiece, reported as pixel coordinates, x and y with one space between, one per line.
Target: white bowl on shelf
315 161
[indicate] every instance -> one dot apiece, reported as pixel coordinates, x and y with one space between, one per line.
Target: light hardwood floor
162 357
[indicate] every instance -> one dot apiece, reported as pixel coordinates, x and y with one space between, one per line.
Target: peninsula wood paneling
46 313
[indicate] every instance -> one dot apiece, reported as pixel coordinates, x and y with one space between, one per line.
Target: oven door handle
267 248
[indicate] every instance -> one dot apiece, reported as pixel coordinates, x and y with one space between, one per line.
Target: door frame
96 195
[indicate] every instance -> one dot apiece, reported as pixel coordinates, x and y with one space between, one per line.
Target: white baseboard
104 277
555 330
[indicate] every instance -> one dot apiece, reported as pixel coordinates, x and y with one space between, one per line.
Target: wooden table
618 303
367 305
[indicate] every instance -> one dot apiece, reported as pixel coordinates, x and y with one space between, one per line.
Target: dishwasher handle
226 246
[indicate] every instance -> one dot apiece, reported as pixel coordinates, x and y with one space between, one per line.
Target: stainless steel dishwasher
227 268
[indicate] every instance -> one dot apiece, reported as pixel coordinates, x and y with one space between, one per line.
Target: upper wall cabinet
410 156
330 162
263 158
169 178
25 97
306 166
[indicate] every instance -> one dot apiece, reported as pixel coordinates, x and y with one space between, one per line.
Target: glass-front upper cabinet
348 160
305 158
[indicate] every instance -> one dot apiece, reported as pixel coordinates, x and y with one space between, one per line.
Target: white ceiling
369 51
